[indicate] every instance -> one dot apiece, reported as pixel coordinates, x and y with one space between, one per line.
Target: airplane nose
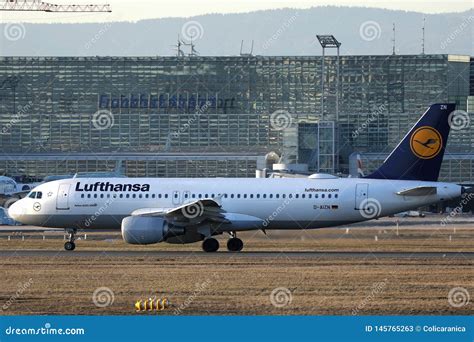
16 210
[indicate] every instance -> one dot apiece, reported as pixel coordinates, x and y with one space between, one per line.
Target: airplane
187 210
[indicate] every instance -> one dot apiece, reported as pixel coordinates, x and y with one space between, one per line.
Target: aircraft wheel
235 245
210 245
69 246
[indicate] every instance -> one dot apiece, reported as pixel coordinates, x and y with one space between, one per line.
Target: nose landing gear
70 245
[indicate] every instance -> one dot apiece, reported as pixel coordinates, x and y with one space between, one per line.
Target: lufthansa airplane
187 210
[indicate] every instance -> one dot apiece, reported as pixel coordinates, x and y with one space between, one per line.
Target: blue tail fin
419 155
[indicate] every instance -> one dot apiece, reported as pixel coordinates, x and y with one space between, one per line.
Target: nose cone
17 210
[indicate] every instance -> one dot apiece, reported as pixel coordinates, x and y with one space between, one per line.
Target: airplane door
62 200
176 199
361 194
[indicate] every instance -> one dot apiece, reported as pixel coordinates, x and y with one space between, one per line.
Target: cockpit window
36 194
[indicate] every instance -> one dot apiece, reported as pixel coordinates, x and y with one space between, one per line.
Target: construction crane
35 5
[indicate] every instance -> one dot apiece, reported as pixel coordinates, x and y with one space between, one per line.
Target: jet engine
145 230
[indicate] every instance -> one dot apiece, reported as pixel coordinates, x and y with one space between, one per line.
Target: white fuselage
249 203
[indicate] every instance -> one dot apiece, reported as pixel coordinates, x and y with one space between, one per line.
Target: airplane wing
418 191
187 214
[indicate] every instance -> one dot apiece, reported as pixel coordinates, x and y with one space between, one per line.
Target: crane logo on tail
426 142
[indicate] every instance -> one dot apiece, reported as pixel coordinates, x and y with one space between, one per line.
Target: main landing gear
234 244
70 245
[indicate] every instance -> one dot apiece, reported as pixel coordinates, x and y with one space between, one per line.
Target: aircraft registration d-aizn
187 210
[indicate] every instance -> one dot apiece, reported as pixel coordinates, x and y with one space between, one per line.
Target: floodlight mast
328 41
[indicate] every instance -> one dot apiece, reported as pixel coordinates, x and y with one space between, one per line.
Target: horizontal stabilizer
419 191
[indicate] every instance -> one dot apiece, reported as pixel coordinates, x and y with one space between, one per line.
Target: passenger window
166 195
264 195
245 195
95 195
323 195
225 196
329 196
271 195
82 195
251 195
303 196
88 195
290 196
140 196
146 196
127 196
134 196
238 195
232 196
336 196
309 196
296 196
316 196
258 195
159 195
283 196
277 195
121 195
152 195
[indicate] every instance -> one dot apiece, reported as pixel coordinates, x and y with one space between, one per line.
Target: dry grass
242 285
237 286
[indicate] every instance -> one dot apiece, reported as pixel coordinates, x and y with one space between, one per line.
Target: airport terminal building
222 116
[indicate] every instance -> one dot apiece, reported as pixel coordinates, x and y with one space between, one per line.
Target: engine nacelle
144 230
